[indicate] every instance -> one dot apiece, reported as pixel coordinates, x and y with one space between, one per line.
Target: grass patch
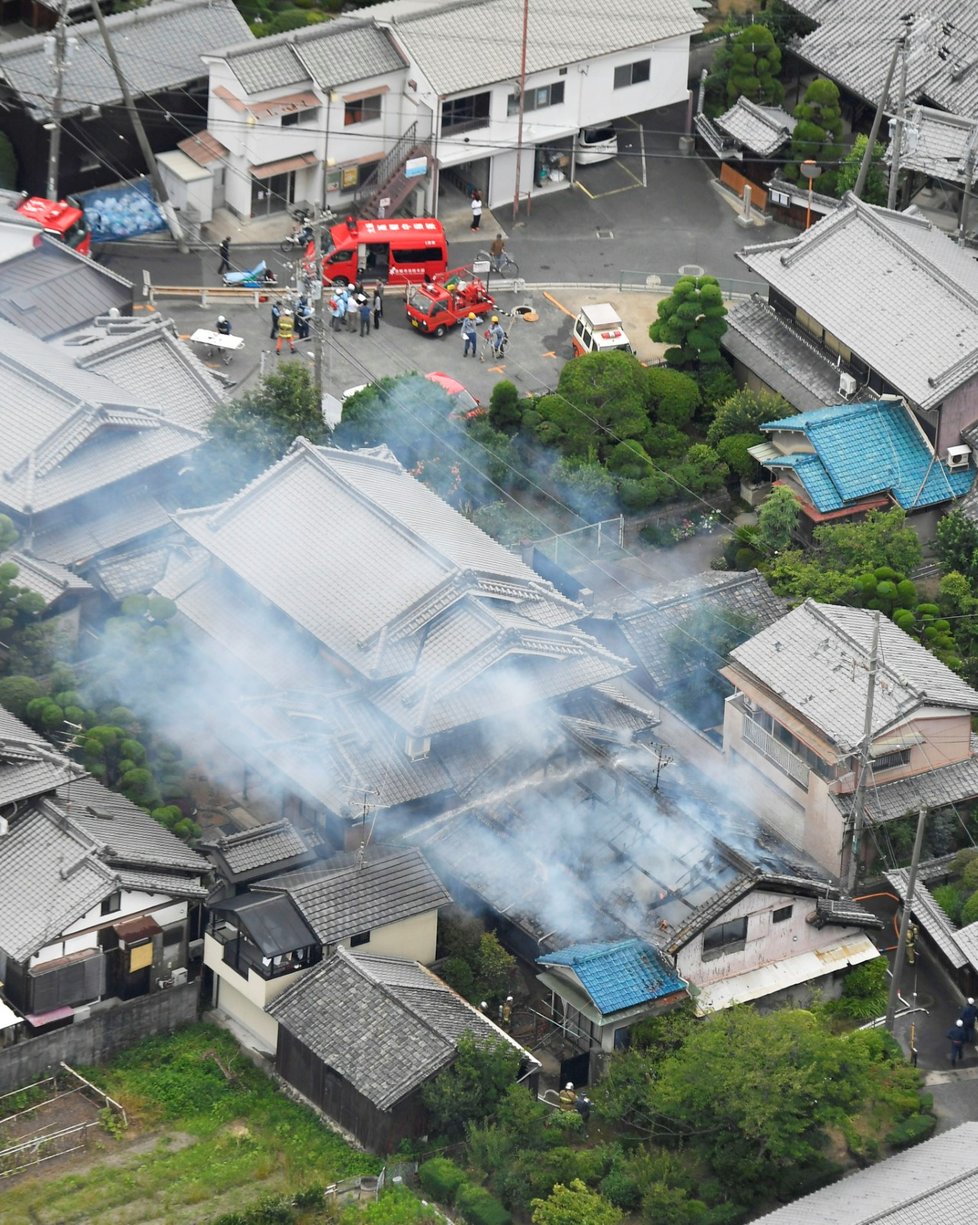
224 1127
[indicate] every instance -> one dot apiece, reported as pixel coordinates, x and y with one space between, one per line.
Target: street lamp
810 170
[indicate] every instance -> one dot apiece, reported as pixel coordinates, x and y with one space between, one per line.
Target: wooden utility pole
522 110
859 803
169 212
57 98
894 184
877 119
901 949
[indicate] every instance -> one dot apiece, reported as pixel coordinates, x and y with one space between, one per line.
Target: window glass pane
623 76
640 72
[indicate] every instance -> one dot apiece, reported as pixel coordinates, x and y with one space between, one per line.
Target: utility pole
522 108
60 49
901 949
969 174
859 803
169 212
893 186
877 119
319 219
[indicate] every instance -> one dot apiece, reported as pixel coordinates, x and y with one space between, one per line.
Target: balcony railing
776 752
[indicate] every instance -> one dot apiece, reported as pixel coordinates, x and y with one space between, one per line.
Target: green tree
17 692
505 410
734 450
471 1089
875 189
755 65
600 400
777 521
957 545
745 412
692 320
574 1204
494 969
817 135
881 539
674 397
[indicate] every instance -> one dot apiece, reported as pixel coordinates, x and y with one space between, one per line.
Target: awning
779 975
270 169
203 148
8 1018
271 921
37 1019
288 105
142 927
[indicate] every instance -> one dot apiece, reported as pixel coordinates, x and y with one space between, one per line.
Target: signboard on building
414 167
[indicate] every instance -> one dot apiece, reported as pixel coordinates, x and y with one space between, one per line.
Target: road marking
550 353
947 1078
559 305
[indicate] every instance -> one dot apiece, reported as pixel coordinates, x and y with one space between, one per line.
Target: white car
597 144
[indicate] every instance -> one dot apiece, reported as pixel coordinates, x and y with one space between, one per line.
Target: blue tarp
115 213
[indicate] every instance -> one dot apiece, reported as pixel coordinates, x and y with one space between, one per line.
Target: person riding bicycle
496 249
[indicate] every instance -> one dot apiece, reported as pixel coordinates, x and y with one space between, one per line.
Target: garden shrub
969 911
949 900
440 1179
864 991
911 1131
479 1207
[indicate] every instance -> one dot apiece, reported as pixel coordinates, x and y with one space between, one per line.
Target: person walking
224 250
497 336
334 313
567 1097
223 326
342 306
276 317
363 307
378 304
476 206
285 330
956 1036
969 1015
470 334
352 311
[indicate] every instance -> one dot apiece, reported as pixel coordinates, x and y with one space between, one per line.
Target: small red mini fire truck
438 305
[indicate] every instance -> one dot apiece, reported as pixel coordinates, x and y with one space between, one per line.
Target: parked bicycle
502 264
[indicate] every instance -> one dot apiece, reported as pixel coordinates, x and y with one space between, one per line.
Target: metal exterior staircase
388 180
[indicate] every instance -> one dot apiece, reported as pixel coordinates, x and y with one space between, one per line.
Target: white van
596 144
598 329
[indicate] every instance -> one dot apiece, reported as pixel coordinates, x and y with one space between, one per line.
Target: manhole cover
690 270
606 233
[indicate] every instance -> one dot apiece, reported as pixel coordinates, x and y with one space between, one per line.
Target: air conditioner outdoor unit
958 457
195 950
847 384
417 747
179 976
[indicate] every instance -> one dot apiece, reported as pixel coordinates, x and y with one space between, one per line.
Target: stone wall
95 1040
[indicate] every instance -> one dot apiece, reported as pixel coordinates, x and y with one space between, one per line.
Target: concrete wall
104 1034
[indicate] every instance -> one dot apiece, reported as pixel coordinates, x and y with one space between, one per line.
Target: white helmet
221 319
569 1085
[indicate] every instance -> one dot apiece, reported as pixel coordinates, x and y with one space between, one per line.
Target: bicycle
502 265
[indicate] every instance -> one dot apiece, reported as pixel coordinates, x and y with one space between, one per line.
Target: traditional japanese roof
853 42
814 660
861 450
619 975
760 129
655 632
83 433
253 853
124 519
425 31
940 146
384 1024
349 894
936 787
163 43
439 633
335 53
51 289
45 578
929 305
934 1183
779 355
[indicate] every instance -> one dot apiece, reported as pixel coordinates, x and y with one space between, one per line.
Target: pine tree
755 65
818 134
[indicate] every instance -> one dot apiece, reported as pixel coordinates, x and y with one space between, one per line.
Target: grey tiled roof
145 353
50 877
168 883
386 1025
46 579
934 1183
24 773
790 365
815 660
926 300
159 46
132 573
127 834
939 144
339 899
935 788
931 918
333 587
655 635
845 913
130 516
51 289
439 37
761 129
847 43
245 853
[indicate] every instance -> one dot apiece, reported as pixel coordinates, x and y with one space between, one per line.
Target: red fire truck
435 307
65 219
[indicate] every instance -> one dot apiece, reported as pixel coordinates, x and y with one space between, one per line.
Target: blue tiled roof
619 975
866 449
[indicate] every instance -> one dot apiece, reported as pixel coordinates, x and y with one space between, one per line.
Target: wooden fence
737 182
